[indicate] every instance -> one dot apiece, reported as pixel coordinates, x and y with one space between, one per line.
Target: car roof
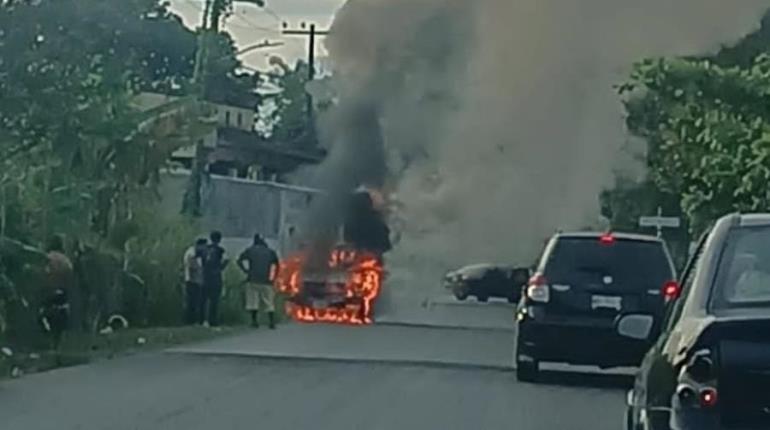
753 220
621 236
480 266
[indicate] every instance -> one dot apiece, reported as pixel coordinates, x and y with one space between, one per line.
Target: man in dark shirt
214 263
260 264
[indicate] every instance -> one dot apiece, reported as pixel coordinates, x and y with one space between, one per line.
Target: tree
672 103
78 157
287 116
708 130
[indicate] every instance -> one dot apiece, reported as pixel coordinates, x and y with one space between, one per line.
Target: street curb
442 326
328 359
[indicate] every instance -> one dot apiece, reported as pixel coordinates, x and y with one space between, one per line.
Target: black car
583 283
487 280
710 367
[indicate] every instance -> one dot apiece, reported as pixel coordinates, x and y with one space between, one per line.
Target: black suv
709 369
583 283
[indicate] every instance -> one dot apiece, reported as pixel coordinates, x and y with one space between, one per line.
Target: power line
272 13
242 16
250 25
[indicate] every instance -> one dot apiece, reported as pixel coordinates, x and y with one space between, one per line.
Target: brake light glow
708 397
671 290
538 290
607 239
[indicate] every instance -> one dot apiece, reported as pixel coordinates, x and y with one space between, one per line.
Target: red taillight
708 397
607 239
538 290
538 279
671 290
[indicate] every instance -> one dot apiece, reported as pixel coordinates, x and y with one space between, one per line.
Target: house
235 149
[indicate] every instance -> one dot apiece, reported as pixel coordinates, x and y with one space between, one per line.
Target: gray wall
239 208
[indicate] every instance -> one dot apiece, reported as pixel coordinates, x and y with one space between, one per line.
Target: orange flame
362 287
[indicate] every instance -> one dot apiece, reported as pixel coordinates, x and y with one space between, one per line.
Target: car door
656 378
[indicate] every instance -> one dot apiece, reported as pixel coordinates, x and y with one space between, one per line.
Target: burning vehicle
340 284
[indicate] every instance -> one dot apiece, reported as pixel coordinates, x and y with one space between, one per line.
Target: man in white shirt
193 278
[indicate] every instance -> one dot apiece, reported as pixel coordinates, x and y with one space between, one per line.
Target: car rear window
743 273
631 264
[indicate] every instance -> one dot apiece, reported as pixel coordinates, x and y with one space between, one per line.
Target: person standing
54 314
193 278
260 264
214 263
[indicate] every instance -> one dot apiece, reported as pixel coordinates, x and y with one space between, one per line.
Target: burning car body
341 283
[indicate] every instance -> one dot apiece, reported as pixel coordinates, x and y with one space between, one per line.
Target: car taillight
538 290
708 397
671 291
607 239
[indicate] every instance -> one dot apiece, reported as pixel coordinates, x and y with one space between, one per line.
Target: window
240 119
674 311
743 272
633 264
227 117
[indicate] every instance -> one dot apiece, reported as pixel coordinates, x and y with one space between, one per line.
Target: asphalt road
307 377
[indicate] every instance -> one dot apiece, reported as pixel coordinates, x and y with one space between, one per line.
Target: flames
363 274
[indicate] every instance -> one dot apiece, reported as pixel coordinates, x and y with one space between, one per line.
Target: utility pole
311 34
213 12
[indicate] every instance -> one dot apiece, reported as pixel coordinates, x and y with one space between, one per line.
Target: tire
482 298
527 371
629 419
512 300
460 294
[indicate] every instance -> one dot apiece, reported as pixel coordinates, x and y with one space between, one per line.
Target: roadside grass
82 348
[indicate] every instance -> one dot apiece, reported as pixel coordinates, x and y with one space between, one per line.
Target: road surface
401 376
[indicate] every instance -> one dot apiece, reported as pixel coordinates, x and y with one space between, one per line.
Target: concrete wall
240 208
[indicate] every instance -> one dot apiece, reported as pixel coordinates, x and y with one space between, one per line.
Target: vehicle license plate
605 302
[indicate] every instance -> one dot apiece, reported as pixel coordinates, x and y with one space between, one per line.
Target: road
400 375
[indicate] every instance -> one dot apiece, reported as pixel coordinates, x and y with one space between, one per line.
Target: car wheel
630 420
527 371
483 298
512 300
460 292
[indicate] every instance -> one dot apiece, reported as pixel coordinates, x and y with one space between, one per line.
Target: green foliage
708 130
79 158
288 117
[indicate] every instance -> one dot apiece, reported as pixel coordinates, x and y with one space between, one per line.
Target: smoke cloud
495 121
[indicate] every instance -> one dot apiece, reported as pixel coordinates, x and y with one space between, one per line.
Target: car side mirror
635 326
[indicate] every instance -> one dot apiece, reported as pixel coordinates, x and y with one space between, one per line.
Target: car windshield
630 264
743 274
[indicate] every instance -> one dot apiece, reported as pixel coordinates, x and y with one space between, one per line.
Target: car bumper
578 341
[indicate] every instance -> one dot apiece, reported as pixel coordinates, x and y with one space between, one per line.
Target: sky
250 25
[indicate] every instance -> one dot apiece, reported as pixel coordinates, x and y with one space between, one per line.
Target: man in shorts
260 264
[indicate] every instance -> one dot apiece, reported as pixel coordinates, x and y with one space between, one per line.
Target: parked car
583 282
487 280
710 367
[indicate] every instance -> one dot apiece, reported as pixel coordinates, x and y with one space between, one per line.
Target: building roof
253 142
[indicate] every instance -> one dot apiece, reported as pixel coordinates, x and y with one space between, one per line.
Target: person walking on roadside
214 263
260 264
193 279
